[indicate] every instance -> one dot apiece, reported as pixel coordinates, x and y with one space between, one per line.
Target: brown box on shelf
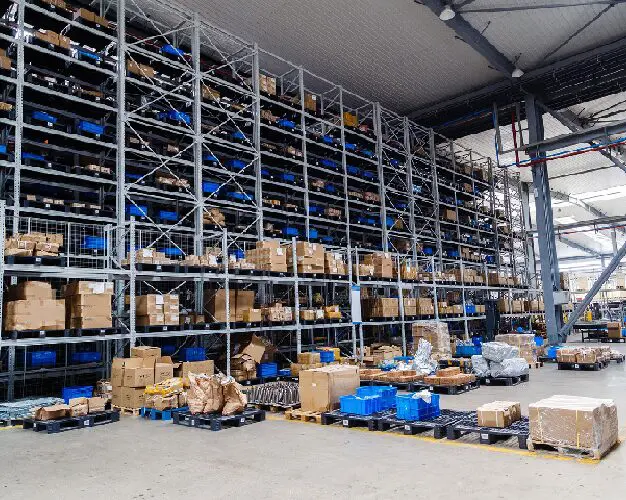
321 388
156 319
309 357
90 322
498 414
5 63
17 247
267 84
410 306
448 214
163 369
334 264
144 351
252 316
332 312
140 69
310 102
381 262
436 333
89 287
239 301
35 314
576 422
27 290
209 93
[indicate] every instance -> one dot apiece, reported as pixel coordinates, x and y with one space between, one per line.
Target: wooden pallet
127 411
568 450
304 416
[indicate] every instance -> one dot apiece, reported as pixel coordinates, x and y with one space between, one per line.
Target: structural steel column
529 245
545 224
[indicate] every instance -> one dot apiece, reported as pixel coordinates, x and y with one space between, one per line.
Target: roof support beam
473 38
572 122
572 244
580 203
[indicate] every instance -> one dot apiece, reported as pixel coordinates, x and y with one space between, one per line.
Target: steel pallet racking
148 119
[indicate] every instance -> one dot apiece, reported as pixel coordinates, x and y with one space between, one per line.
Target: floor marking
448 442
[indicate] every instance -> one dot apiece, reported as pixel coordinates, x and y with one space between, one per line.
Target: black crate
216 421
504 380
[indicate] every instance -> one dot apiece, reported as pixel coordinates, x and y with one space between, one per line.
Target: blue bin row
413 407
40 359
468 350
368 400
266 370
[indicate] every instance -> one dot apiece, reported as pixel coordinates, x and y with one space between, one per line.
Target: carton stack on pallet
32 305
268 256
377 353
88 304
379 307
33 244
382 264
241 306
450 377
583 355
157 310
525 342
277 313
309 257
306 361
437 335
209 259
130 376
334 264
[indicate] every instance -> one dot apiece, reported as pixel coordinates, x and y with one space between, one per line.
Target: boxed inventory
437 335
498 414
320 388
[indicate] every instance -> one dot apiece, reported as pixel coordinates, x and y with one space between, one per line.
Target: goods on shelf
214 216
574 422
267 84
88 304
157 310
52 38
31 306
377 353
437 335
320 388
332 312
277 313
268 256
142 70
33 243
379 307
448 214
309 257
525 342
335 264
381 262
214 393
516 306
311 314
498 414
239 301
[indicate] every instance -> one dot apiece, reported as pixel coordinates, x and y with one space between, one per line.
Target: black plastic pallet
71 423
598 365
352 419
407 386
163 268
545 359
490 435
11 422
158 328
411 427
35 334
451 390
34 260
93 332
609 340
216 421
619 359
505 380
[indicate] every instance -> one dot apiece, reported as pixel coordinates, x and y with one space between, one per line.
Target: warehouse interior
244 229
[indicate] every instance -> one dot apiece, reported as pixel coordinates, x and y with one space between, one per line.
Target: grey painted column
531 267
545 224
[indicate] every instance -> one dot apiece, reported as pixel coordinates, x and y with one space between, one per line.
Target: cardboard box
574 422
35 314
140 69
252 316
78 407
90 322
120 366
239 301
144 351
163 369
614 329
320 388
448 372
499 414
255 349
89 287
53 412
116 395
150 320
149 304
309 357
132 397
183 370
27 290
96 404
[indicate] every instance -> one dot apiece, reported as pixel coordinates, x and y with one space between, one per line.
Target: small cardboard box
132 397
78 407
53 412
182 370
498 414
144 351
309 357
96 404
89 287
163 369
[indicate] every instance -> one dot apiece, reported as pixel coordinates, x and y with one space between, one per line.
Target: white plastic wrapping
480 366
499 351
513 367
421 360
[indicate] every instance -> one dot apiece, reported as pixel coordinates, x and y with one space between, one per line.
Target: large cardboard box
499 414
149 304
96 404
614 329
34 314
144 351
320 388
133 397
163 369
27 290
255 349
89 287
309 357
574 422
138 372
183 370
239 301
53 412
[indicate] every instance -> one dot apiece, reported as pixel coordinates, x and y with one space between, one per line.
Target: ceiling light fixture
517 73
447 13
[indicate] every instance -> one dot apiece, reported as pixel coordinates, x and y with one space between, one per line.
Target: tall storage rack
134 129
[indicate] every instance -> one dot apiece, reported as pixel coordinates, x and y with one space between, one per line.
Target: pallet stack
157 310
437 335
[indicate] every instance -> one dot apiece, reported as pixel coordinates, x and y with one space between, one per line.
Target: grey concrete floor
137 459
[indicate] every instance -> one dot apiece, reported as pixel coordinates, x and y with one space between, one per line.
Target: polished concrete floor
137 459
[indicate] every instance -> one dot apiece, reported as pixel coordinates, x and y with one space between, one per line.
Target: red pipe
571 153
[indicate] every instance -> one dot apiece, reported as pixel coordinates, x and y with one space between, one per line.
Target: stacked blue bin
77 391
193 354
413 407
266 370
387 394
326 356
41 359
86 357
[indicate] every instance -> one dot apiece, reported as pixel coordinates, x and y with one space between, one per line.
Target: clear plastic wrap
422 362
499 351
480 366
513 367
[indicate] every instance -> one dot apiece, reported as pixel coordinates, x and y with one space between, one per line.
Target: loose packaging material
499 351
79 407
480 366
525 342
320 388
53 412
498 414
510 367
210 394
437 335
96 404
574 422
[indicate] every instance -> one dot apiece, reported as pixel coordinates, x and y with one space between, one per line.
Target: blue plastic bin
237 196
39 359
167 215
333 165
237 165
193 354
210 158
86 357
265 370
286 123
172 51
77 391
410 407
284 372
470 309
210 187
360 406
551 351
387 394
3 149
538 341
168 349
32 156
326 356
176 116
477 340
290 231
313 233
137 210
94 243
42 116
468 350
172 251
91 128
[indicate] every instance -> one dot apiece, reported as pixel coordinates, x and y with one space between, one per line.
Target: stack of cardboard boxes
277 313
209 259
268 256
309 257
130 376
408 271
583 354
382 264
150 256
306 361
34 244
377 353
157 310
311 314
52 38
88 304
516 305
334 264
241 306
379 307
32 305
436 333
525 342
450 377
5 62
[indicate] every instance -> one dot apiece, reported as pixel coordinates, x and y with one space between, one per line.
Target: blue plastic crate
315 209
406 359
327 240
94 243
360 406
237 196
368 153
265 370
387 394
330 188
326 356
468 350
623 332
91 128
411 407
286 123
313 233
285 372
470 308
350 146
32 156
290 231
176 116
88 54
39 359
538 341
237 165
352 170
172 51
77 391
193 354
551 351
333 165
326 139
369 175
172 251
42 116
238 253
210 158
86 357
477 340
285 177
238 136
168 349
428 250
167 215
3 149
137 210
210 187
